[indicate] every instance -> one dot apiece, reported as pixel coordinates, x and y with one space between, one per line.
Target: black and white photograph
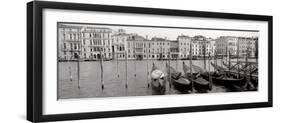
90 61
111 60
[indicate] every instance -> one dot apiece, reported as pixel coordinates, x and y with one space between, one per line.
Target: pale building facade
158 48
119 44
226 45
174 49
87 43
92 43
249 44
199 44
96 42
208 46
135 46
184 46
235 46
69 44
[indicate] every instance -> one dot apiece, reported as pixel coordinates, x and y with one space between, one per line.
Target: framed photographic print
89 61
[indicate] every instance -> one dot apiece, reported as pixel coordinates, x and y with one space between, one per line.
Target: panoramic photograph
110 60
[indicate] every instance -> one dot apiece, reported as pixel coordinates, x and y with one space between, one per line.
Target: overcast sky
172 33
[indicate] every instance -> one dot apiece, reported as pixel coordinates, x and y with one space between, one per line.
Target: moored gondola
224 80
158 81
176 78
200 83
223 77
248 71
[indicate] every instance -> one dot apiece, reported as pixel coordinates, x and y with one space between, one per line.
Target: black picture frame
35 60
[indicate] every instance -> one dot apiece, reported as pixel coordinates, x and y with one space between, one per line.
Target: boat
200 83
158 81
179 81
250 71
223 77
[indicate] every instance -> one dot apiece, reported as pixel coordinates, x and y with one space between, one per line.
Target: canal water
114 77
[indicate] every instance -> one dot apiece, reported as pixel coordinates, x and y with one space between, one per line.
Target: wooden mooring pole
78 73
126 69
70 73
101 65
117 66
190 64
210 76
170 81
147 67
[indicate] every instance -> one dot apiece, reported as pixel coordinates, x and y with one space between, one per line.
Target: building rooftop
174 41
84 28
158 39
199 37
183 36
60 25
120 34
93 27
134 37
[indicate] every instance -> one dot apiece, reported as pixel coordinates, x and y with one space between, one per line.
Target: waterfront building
199 46
202 46
69 44
158 48
87 43
236 46
135 46
96 41
92 43
174 49
226 44
249 44
211 46
119 44
184 46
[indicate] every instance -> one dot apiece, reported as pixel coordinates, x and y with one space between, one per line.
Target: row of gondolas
239 76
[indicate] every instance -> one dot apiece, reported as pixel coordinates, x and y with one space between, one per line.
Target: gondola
176 78
158 82
200 83
223 78
250 70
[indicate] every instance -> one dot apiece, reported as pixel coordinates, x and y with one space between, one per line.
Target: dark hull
225 80
201 84
179 82
182 87
254 78
157 89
